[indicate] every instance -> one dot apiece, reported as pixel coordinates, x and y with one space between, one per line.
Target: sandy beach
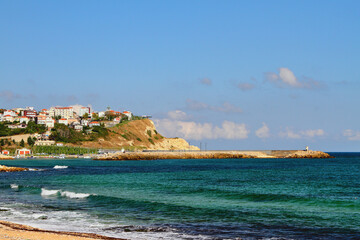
15 231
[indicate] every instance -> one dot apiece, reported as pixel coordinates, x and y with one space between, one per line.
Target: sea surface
188 199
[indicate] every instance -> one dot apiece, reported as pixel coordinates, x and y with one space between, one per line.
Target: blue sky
232 74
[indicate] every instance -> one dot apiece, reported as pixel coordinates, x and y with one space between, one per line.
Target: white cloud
311 133
226 107
263 132
286 78
351 135
206 81
198 131
177 115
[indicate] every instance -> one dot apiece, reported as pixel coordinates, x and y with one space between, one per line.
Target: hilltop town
76 117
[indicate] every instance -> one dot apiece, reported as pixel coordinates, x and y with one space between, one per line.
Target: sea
188 199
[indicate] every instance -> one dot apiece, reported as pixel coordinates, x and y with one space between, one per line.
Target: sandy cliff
138 134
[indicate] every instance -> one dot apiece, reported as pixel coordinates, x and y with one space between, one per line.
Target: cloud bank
311 133
351 135
171 127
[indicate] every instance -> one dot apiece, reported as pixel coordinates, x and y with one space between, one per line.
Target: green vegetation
63 150
63 133
151 141
149 132
124 136
139 139
137 118
31 128
22 143
30 141
95 116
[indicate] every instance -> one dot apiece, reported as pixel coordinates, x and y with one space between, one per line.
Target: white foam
60 167
39 216
74 195
68 194
45 192
14 186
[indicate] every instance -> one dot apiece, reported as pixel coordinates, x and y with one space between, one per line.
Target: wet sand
15 231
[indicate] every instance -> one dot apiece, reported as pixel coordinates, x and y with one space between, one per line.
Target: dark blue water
189 199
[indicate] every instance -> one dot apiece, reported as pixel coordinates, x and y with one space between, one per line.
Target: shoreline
154 155
10 230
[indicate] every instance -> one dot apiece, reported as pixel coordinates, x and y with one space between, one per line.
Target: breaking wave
67 194
60 167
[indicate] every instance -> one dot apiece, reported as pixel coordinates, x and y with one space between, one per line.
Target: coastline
9 230
157 155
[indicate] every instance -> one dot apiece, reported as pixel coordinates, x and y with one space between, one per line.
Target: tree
2 142
30 141
22 143
95 116
85 116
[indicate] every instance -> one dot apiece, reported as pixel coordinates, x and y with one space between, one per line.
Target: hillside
137 134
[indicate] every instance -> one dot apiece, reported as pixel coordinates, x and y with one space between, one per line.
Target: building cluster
76 117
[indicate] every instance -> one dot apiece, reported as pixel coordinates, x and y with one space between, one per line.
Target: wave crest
68 194
60 167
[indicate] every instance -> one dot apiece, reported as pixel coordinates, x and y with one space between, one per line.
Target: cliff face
138 134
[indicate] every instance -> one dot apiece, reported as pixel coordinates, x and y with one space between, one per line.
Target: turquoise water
189 199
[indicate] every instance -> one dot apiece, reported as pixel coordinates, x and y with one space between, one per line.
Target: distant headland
106 135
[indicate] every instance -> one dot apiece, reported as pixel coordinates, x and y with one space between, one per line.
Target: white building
128 114
84 122
50 123
83 110
44 142
101 114
93 124
10 112
7 118
78 127
63 121
63 112
24 119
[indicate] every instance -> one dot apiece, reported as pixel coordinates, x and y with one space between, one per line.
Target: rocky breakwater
308 154
119 156
180 155
11 169
170 155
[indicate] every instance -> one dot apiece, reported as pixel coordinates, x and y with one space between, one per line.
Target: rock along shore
11 169
211 155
